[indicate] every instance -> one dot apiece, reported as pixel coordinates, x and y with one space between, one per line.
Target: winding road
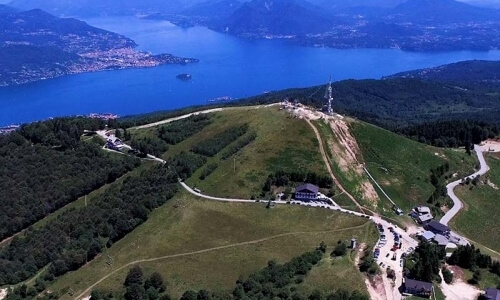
390 291
457 204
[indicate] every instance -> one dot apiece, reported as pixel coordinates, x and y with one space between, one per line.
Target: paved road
457 204
207 111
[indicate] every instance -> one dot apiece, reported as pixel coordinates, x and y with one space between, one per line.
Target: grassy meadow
478 220
234 239
282 143
402 166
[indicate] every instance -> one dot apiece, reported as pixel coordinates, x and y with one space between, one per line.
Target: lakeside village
106 116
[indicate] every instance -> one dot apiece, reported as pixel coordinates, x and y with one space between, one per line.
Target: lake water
228 67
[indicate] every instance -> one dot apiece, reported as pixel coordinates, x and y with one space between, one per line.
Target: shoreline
101 61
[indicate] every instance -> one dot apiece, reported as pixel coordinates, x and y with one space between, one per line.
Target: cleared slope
188 224
282 143
402 166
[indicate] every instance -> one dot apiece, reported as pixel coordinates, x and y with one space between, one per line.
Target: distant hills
89 8
413 25
38 28
441 12
36 45
4 9
277 17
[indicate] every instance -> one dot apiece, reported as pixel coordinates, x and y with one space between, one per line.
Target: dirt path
349 158
375 292
328 166
3 294
88 290
458 290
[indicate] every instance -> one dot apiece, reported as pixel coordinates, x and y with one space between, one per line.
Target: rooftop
425 218
492 294
441 240
309 187
423 210
433 224
418 285
428 235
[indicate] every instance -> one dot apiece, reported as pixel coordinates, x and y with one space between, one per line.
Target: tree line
40 175
240 144
451 134
210 147
180 130
438 180
282 178
78 235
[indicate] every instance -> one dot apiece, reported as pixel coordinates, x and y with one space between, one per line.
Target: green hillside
403 167
186 224
478 220
281 144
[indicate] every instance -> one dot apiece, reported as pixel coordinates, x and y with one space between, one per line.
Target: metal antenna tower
329 96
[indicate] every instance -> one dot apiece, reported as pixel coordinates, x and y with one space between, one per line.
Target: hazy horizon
490 2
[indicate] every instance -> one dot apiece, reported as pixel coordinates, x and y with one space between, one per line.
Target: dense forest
476 74
45 166
78 235
451 134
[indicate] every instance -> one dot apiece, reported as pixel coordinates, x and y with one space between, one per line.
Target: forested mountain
434 12
471 73
278 17
4 9
78 235
87 8
37 28
210 9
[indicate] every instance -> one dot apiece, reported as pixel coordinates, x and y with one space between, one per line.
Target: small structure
441 240
428 236
307 192
418 288
492 294
437 228
423 210
353 243
422 219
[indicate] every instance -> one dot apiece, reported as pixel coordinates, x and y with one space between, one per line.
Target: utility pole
234 164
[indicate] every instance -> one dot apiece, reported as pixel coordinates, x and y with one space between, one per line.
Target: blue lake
228 67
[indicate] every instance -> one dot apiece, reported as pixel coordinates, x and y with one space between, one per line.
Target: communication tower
329 96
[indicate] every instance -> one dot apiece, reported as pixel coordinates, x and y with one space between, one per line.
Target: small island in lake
184 77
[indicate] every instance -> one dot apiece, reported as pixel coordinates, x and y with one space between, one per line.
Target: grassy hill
402 166
478 219
282 143
187 224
